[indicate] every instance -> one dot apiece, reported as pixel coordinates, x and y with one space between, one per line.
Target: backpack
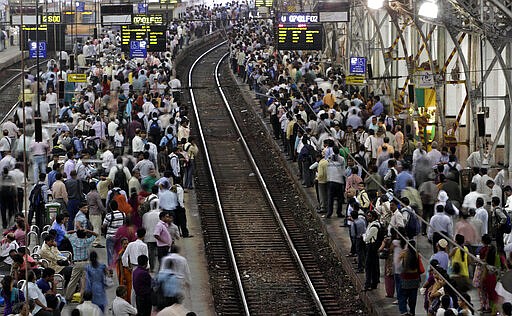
154 128
120 179
169 141
7 186
507 227
448 208
382 233
36 197
390 182
146 205
413 226
91 147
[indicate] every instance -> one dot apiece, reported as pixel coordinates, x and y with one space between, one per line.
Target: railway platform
9 56
339 239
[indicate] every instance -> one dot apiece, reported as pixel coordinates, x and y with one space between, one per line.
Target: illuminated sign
168 1
354 79
77 78
50 18
153 35
34 49
40 27
147 19
299 18
357 65
264 3
299 36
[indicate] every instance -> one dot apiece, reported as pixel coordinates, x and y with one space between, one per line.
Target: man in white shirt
120 306
482 215
35 293
149 221
397 219
108 158
137 143
135 249
11 128
88 307
44 109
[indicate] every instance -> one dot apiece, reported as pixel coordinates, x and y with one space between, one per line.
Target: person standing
96 212
38 198
192 150
162 235
409 279
39 151
74 189
372 256
335 181
142 286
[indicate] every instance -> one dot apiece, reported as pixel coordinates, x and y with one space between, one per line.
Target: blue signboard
357 65
138 49
32 51
143 8
80 6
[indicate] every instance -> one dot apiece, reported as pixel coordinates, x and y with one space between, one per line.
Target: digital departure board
147 19
299 36
263 3
154 35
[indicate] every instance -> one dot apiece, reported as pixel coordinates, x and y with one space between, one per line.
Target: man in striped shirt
113 220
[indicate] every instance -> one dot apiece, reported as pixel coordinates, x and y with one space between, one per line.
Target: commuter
113 220
95 273
142 286
120 306
372 246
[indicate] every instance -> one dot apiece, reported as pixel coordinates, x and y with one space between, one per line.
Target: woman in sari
127 231
124 274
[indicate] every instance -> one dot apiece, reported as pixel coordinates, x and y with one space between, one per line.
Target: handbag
384 253
421 268
63 262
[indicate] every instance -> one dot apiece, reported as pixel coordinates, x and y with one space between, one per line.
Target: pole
37 59
22 46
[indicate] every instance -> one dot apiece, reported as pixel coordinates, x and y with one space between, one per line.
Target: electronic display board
263 3
50 18
154 35
147 19
299 36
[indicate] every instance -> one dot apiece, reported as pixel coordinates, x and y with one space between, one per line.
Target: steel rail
264 186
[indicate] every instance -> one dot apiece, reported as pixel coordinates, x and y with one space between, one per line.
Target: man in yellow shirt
329 99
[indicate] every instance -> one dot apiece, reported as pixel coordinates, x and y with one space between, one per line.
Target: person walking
113 220
162 235
95 281
96 212
142 286
80 244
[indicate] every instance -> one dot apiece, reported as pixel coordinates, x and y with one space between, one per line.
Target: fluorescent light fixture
428 9
375 4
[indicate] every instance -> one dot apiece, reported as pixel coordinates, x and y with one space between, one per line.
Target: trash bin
51 211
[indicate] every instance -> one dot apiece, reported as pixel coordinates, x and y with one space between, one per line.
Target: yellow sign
77 78
51 18
40 27
354 79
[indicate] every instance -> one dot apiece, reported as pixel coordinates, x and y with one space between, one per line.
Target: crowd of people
116 159
390 189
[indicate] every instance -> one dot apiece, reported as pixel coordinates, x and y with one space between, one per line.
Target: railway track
261 258
10 81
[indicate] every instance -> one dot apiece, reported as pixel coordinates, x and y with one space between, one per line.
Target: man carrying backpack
154 128
119 174
411 222
500 222
371 238
38 198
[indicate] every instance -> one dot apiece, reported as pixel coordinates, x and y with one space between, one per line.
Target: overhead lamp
428 9
375 4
